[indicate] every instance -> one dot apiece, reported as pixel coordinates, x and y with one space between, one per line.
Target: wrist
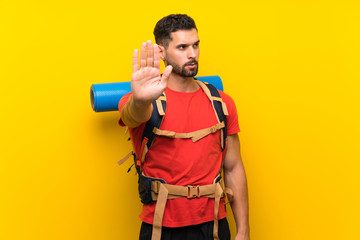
135 113
139 103
243 230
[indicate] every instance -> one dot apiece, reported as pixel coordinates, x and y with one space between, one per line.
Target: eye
196 45
181 47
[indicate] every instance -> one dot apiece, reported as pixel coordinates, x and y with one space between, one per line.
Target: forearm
135 112
235 179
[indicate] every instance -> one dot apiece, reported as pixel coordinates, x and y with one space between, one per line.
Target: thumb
166 74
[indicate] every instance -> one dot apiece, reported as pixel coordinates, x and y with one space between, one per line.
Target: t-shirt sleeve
232 118
122 102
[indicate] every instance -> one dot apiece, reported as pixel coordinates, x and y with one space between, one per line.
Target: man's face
183 52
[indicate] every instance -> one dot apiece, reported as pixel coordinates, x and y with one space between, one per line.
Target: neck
182 84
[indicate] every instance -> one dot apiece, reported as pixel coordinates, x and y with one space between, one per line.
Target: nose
191 52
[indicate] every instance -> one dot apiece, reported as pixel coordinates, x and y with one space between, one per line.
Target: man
180 161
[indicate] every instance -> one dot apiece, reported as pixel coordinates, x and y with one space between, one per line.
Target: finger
156 56
150 54
166 74
143 55
135 60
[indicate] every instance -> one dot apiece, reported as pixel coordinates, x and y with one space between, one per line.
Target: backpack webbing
219 112
156 119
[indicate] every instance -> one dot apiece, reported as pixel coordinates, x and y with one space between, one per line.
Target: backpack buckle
193 191
156 186
213 129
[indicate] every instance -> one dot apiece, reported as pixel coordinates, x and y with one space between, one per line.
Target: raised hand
146 82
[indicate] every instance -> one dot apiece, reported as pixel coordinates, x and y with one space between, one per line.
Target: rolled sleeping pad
106 96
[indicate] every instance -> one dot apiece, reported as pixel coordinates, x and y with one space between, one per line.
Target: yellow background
292 68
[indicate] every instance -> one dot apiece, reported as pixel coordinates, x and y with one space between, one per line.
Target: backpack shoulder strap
219 108
159 108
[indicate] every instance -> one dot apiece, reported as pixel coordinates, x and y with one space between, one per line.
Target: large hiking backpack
155 189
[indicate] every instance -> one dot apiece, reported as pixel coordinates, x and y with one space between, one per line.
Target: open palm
146 82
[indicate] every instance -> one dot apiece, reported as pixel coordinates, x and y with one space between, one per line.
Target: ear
162 52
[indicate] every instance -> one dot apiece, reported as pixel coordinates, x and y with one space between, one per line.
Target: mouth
191 65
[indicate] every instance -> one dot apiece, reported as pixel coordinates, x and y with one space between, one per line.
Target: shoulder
124 100
232 118
126 96
226 98
121 104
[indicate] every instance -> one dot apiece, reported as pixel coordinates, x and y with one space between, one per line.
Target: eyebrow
184 44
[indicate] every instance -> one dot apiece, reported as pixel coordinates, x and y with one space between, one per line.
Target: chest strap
161 192
195 136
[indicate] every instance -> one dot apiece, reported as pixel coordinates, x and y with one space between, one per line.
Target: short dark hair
172 23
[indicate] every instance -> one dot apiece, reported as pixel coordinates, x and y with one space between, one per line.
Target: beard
181 70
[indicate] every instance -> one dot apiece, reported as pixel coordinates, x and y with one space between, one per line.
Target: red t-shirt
181 161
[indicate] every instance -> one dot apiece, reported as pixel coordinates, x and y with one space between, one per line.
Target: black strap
219 110
155 121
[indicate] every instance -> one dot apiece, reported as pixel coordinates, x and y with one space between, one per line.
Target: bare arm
235 179
146 85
